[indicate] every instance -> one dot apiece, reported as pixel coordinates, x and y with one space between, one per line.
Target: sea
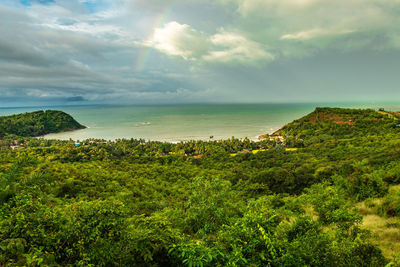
175 123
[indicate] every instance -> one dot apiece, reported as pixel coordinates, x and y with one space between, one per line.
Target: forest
324 190
38 123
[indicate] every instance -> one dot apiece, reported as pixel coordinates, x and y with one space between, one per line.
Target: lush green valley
322 191
38 123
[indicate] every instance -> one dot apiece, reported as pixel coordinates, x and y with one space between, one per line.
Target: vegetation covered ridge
331 201
38 123
335 121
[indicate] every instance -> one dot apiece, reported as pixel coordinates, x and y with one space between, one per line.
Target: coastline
109 134
172 140
63 131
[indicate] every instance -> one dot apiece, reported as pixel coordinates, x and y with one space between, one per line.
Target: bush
207 209
391 205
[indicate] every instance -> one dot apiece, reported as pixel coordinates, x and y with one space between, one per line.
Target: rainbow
145 51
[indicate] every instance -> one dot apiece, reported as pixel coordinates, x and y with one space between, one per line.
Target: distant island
324 190
38 123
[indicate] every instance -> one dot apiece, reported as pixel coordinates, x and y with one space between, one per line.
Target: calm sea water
175 123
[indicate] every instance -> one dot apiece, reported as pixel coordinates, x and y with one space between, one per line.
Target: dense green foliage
136 203
37 123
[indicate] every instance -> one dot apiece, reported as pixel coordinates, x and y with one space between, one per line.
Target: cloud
233 47
181 40
75 99
293 28
101 50
151 5
314 33
249 7
58 52
266 30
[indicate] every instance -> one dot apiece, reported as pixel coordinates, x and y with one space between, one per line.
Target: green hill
341 122
38 123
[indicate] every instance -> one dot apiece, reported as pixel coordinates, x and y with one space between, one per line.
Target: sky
198 51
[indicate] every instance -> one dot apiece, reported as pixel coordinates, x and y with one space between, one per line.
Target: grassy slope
386 230
354 123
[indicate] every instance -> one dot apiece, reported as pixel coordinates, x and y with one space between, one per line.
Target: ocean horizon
183 122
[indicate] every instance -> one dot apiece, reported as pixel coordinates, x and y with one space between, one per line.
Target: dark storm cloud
76 99
199 50
62 55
